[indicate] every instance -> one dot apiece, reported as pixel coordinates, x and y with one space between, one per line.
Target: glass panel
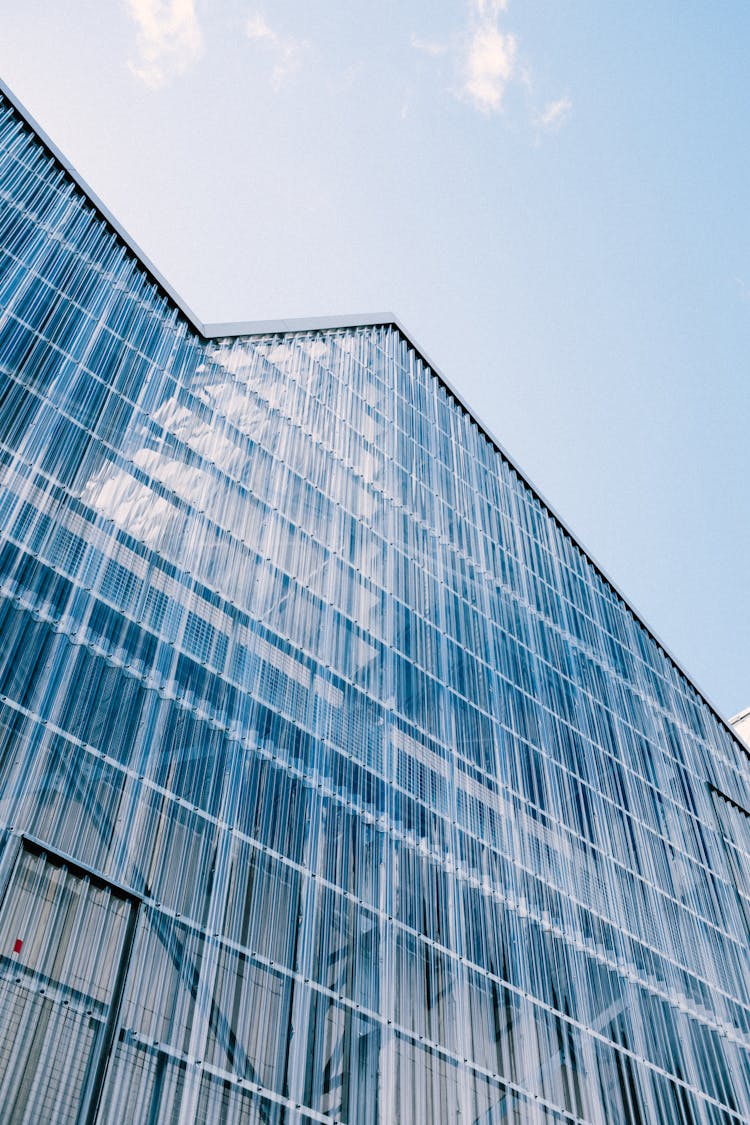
61 940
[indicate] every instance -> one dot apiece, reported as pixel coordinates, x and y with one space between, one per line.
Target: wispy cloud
490 9
428 46
489 64
555 113
743 289
169 39
484 55
287 52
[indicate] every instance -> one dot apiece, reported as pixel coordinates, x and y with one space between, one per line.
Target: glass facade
336 783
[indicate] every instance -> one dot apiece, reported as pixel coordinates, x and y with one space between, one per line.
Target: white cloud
169 39
258 27
286 51
489 64
490 9
555 113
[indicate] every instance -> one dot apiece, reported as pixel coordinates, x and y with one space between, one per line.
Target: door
63 938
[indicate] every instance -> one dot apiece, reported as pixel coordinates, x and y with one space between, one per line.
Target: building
337 783
741 725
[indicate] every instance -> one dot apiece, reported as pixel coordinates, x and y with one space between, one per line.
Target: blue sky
551 195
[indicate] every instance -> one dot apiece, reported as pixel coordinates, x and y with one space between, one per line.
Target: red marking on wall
18 945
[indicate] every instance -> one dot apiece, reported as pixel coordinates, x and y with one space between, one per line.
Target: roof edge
222 330
103 210
285 326
279 327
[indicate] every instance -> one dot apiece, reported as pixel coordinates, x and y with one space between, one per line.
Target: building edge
291 325
740 724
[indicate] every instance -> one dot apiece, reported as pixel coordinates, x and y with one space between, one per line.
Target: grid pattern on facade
419 822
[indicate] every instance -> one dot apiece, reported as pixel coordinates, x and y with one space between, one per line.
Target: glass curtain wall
336 785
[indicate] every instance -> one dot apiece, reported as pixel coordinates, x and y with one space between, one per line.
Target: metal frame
56 857
283 327
717 795
94 1085
740 716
